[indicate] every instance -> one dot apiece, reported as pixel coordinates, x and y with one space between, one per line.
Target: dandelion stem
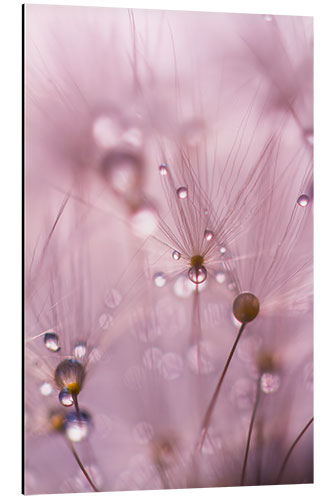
77 408
283 466
206 420
247 448
82 467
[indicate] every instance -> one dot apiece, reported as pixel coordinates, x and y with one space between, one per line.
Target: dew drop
197 275
46 389
159 279
208 235
76 430
163 169
269 383
176 255
80 350
182 193
303 200
219 277
51 341
222 250
65 397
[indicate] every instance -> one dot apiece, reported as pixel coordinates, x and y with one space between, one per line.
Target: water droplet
46 389
268 18
163 169
159 279
303 200
143 432
176 255
51 341
208 235
182 193
65 397
122 170
269 383
171 366
219 277
105 321
222 250
80 350
113 298
144 221
197 275
76 430
105 132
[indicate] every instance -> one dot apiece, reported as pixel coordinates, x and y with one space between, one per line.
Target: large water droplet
182 193
269 383
197 275
77 429
159 279
208 235
176 255
163 169
65 397
303 200
51 341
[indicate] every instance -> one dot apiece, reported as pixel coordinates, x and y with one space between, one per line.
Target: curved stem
283 466
247 448
82 467
206 420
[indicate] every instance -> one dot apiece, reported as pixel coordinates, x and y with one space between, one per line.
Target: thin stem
82 467
247 448
77 408
283 466
212 403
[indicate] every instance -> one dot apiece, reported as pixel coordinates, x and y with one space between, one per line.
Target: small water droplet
176 255
65 397
219 277
182 193
269 383
208 235
46 389
159 279
303 200
76 430
163 169
197 275
51 341
222 250
80 350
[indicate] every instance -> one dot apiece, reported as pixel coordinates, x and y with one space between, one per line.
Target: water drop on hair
182 193
208 235
65 397
222 250
51 341
197 274
176 255
159 279
80 350
303 200
163 169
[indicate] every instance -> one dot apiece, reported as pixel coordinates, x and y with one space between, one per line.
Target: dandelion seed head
70 375
246 307
51 342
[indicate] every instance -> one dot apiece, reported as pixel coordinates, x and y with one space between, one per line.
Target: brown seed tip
246 307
